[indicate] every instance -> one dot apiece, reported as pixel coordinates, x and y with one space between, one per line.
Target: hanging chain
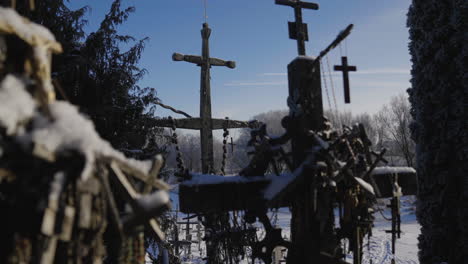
346 47
225 139
326 87
340 124
205 13
180 162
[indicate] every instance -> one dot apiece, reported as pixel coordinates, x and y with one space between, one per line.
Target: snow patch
279 183
207 179
17 104
11 21
392 170
69 130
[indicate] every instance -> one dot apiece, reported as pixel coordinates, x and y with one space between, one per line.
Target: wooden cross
205 123
345 68
188 236
297 29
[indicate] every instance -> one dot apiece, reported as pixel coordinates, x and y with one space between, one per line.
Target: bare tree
340 118
392 128
272 119
189 145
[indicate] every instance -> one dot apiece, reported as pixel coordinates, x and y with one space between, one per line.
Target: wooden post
205 104
306 113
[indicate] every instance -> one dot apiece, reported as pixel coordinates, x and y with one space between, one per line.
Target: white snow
11 21
17 105
380 242
282 181
207 179
72 131
69 130
153 202
279 183
41 40
392 170
365 185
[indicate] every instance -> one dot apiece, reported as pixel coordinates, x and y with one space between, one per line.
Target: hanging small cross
232 145
345 68
297 29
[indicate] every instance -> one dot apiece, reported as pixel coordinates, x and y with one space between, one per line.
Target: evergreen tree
439 107
97 75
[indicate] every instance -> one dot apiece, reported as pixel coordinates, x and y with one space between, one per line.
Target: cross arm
184 123
188 58
344 68
301 4
196 123
220 62
407 179
223 123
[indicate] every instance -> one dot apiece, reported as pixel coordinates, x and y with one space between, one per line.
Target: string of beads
225 139
174 140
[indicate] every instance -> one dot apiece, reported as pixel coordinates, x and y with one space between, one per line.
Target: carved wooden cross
204 123
297 29
345 68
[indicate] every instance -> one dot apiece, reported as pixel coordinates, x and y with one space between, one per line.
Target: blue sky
254 34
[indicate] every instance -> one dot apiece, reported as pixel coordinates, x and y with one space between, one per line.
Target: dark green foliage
110 78
96 74
439 108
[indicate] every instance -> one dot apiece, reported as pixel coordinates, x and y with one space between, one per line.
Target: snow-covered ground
380 243
406 246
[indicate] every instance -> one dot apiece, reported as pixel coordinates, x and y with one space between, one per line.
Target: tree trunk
439 108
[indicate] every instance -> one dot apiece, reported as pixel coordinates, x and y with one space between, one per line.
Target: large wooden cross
297 29
345 68
205 123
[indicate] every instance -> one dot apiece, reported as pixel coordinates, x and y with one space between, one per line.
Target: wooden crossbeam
199 60
210 193
224 194
197 124
407 180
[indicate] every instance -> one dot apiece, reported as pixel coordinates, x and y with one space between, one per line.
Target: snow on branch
393 170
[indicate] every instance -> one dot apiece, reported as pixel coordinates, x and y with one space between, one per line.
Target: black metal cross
345 68
297 29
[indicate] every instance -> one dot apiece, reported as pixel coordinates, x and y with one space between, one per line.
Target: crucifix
205 123
345 68
297 29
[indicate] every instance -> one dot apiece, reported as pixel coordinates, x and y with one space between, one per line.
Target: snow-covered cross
345 68
297 29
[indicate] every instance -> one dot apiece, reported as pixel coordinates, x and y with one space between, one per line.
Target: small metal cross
297 29
345 68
